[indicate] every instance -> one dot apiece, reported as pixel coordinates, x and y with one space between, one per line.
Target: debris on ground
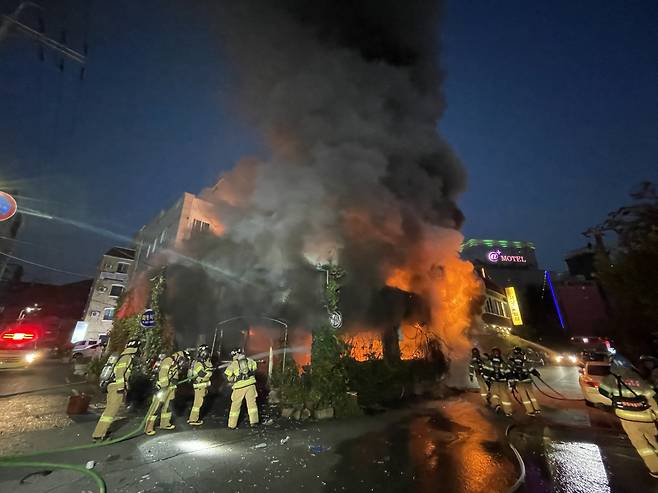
285 440
318 449
261 445
90 464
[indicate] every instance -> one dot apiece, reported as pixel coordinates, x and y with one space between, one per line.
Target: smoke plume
347 95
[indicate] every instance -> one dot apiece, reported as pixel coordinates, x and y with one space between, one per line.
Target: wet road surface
38 411
448 443
454 445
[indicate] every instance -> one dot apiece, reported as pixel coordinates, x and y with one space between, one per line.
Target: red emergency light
19 336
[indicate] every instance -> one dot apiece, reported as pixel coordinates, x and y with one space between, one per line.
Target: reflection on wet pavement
577 467
449 447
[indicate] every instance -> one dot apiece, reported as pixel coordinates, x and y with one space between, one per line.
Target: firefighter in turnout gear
241 374
633 401
169 373
476 371
522 380
499 375
117 387
201 373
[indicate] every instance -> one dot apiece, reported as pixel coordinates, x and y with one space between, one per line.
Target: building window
122 268
108 313
116 290
200 226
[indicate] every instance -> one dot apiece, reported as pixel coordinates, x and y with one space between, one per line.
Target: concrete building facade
166 234
112 277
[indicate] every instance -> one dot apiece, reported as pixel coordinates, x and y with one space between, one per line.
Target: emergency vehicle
19 345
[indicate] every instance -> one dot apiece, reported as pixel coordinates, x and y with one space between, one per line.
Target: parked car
590 379
87 349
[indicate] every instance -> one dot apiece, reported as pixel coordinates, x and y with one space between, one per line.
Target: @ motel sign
495 256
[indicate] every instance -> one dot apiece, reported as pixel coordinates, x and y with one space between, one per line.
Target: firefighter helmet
475 351
495 353
236 353
203 352
136 343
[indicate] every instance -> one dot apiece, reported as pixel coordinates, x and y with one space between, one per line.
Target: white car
87 349
590 379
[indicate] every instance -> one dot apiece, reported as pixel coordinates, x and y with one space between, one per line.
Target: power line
42 266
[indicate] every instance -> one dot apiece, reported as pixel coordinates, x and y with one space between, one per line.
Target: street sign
8 206
148 319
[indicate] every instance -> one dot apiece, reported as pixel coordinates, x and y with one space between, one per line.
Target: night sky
552 106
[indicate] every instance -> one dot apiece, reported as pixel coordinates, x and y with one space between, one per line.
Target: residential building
111 280
166 234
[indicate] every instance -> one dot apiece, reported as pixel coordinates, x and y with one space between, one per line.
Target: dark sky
552 106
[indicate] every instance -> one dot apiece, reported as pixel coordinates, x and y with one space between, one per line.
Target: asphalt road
34 411
452 445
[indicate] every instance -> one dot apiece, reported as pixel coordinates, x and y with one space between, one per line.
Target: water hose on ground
559 397
15 460
521 479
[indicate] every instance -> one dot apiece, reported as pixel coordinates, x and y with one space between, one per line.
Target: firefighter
522 380
241 374
476 370
634 403
201 373
117 387
499 375
169 373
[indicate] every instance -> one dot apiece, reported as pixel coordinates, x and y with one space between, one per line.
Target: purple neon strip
550 285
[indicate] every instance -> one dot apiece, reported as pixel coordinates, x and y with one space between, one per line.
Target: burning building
347 96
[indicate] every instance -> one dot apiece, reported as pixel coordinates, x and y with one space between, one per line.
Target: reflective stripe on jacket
476 367
124 367
168 371
241 373
633 388
202 372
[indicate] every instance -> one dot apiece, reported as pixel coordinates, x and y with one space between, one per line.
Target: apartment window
116 290
108 314
122 268
199 226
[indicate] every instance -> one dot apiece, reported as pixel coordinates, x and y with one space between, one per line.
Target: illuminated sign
8 206
513 306
495 256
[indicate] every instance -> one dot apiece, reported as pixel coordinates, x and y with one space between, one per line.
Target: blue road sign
148 319
8 206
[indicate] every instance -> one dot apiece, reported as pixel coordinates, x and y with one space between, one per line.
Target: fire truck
19 345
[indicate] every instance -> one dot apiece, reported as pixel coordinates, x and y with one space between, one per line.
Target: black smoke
347 95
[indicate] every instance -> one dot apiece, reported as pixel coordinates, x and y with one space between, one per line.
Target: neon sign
495 256
513 304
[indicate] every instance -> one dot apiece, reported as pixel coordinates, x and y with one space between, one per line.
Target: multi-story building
166 234
496 311
512 265
111 280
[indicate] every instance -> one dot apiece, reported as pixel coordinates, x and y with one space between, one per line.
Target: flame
449 284
366 345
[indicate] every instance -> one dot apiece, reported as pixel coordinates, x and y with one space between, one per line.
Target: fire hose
559 397
521 479
15 460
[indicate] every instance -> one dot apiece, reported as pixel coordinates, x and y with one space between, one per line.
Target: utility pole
7 22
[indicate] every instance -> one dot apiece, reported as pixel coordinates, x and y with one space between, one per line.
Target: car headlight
573 359
30 357
559 358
